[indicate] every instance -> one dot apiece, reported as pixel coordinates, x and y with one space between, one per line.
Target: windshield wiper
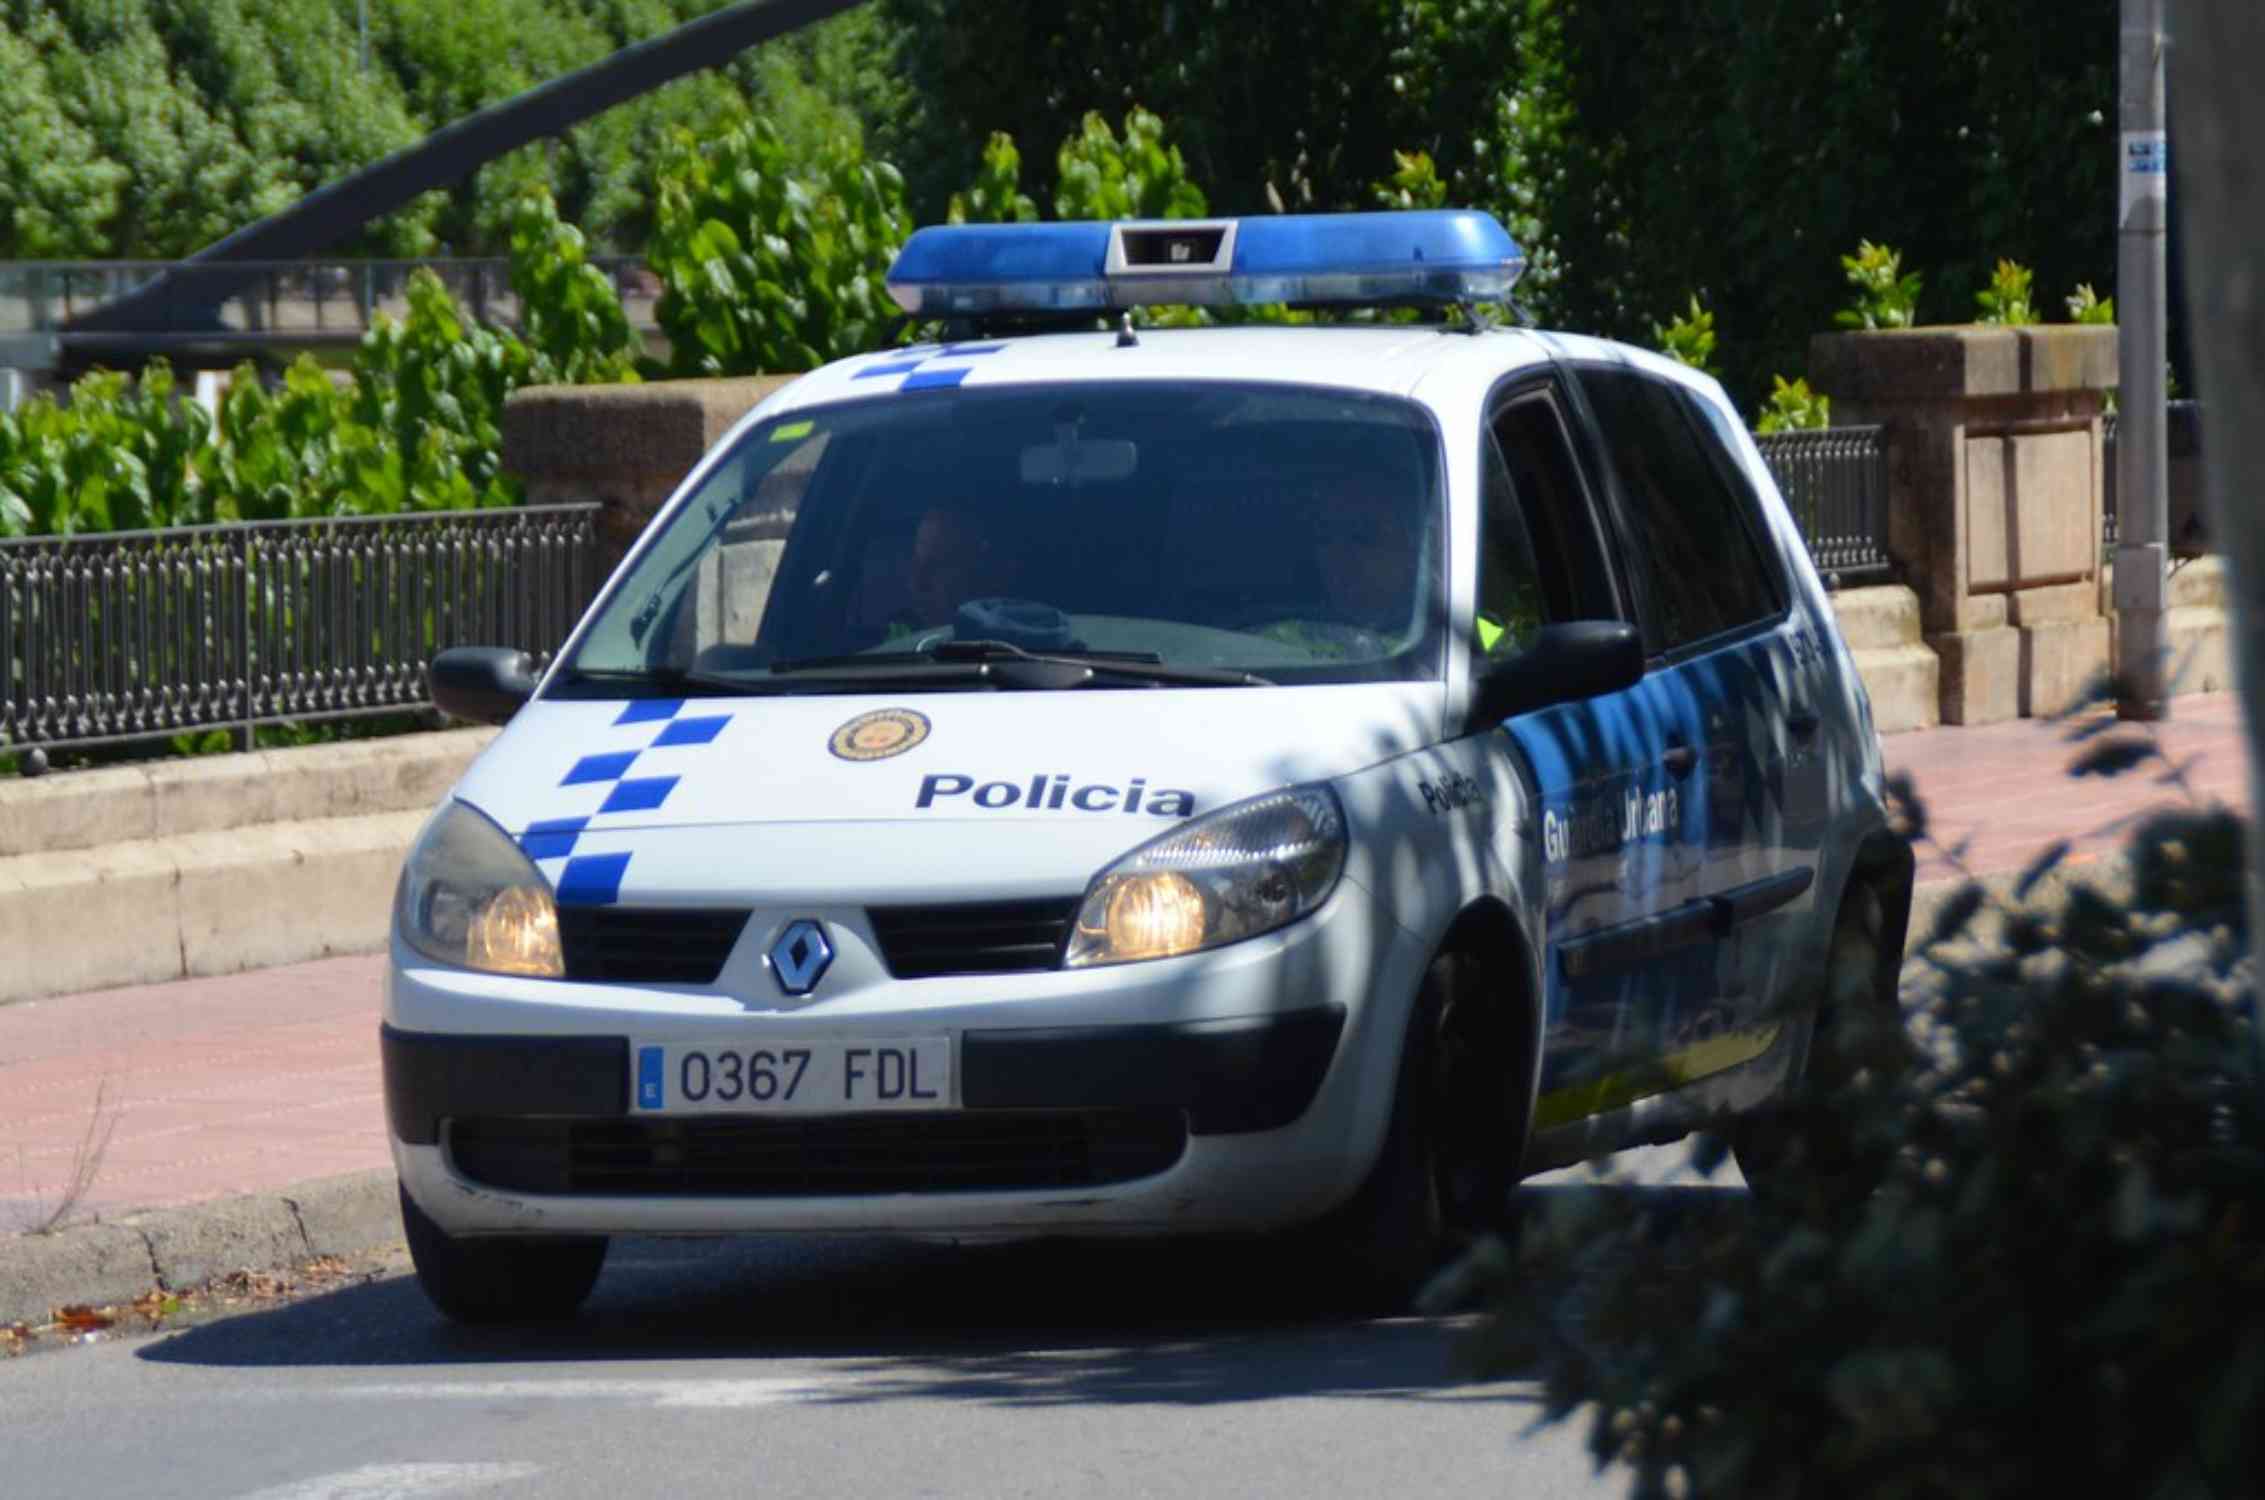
1073 667
663 681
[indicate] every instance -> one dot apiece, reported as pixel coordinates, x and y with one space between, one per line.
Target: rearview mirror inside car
1080 461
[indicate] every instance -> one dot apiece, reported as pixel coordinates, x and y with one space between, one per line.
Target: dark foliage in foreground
2057 1286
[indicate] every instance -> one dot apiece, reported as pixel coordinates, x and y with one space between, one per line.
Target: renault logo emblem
799 958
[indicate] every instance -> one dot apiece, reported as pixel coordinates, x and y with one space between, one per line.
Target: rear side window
1690 536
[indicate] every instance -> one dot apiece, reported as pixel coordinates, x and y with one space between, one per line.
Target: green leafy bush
2006 299
287 452
1793 406
120 457
434 383
770 263
2087 306
414 424
1415 183
1886 297
1139 177
2057 1286
1689 338
996 195
569 311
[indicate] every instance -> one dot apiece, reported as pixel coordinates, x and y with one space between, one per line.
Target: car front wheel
1450 1154
499 1280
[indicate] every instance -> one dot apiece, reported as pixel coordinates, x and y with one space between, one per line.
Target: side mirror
1565 663
486 684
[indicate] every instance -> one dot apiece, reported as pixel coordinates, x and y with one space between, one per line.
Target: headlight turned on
1246 869
470 897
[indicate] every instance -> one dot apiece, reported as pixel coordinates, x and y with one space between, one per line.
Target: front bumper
1242 1088
1247 1074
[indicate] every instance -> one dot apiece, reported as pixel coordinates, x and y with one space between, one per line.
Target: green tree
189 177
284 75
1293 96
1771 134
770 263
57 189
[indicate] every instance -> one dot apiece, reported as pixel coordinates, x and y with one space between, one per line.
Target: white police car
1077 782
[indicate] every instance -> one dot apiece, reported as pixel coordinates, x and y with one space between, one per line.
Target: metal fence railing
2189 532
295 297
1835 480
121 636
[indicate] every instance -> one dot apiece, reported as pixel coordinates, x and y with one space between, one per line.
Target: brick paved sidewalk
209 1088
2004 788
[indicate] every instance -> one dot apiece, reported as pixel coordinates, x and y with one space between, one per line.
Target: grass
86 1166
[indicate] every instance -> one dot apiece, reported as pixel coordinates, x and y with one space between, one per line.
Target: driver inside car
954 559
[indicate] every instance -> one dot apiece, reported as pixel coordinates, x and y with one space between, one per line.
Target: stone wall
1995 499
624 446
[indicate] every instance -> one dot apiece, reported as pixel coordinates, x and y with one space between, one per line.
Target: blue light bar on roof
1436 256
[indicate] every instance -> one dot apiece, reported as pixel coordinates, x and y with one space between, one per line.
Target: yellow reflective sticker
791 431
1594 1096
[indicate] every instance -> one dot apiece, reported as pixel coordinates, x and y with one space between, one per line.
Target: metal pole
362 15
2142 457
2218 56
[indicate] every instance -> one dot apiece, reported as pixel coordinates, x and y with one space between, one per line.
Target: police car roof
1430 362
1390 359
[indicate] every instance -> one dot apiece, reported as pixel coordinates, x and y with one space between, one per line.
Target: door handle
1680 760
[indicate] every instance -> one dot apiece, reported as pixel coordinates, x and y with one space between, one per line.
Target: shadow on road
1030 1324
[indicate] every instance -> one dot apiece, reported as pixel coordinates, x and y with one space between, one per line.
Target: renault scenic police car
1072 779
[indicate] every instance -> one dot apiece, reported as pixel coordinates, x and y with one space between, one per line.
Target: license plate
814 1077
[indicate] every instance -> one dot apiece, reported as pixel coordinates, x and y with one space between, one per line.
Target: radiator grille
626 945
992 937
737 1157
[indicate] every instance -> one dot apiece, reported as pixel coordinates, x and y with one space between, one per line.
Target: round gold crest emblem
879 734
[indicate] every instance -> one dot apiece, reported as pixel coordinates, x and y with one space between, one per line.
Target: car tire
1858 1026
1449 1161
499 1280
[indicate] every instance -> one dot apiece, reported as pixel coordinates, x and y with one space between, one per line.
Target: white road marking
698 1395
400 1482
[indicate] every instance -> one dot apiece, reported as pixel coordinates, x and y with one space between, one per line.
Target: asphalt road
803 1368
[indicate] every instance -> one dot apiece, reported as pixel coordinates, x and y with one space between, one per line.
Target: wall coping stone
1962 362
603 431
114 806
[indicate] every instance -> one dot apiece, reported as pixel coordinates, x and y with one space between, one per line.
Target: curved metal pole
189 295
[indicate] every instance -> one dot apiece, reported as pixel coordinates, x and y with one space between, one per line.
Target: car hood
1001 792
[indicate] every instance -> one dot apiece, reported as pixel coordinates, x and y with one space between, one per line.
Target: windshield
1146 534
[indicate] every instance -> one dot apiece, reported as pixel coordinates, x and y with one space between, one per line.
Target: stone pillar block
1995 496
1981 674
624 446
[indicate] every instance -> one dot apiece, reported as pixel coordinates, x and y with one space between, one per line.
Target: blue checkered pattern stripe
595 879
919 368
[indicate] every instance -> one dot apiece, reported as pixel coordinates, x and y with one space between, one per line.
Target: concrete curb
175 1249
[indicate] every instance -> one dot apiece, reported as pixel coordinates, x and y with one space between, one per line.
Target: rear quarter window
1694 547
